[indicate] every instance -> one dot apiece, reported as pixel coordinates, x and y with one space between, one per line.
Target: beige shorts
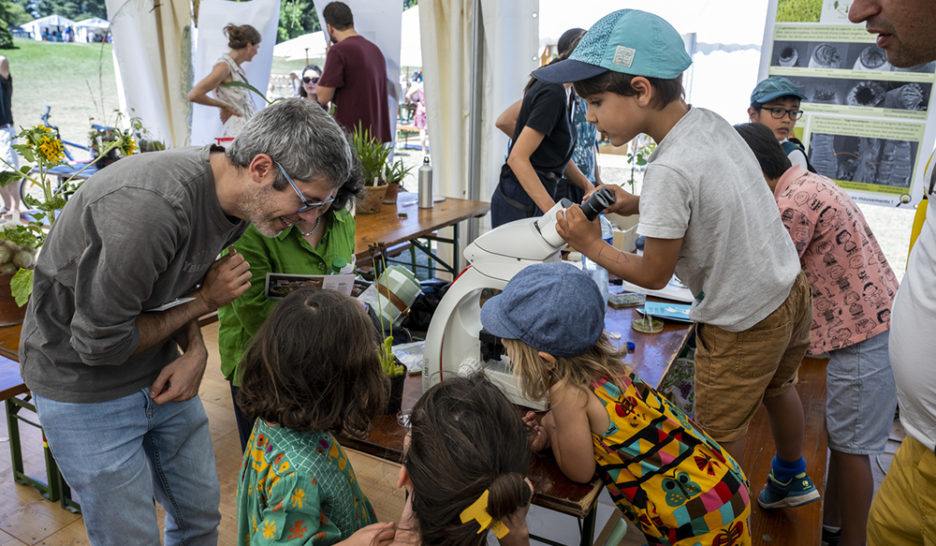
904 509
736 371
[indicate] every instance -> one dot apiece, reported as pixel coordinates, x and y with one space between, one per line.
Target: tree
297 17
73 9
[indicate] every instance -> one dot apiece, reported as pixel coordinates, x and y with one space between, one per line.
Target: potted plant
392 367
373 156
394 173
20 242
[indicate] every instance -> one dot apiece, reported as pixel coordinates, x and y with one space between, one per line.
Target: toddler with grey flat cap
662 471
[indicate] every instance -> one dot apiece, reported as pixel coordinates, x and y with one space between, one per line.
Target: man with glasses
775 102
318 244
122 279
904 509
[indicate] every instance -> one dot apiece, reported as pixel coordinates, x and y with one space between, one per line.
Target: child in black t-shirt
540 154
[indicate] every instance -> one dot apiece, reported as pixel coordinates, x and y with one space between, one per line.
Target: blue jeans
120 454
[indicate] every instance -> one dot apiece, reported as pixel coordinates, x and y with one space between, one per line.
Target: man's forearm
156 326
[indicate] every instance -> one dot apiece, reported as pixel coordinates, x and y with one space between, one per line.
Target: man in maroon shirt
355 76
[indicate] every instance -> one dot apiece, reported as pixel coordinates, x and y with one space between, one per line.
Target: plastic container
404 286
596 272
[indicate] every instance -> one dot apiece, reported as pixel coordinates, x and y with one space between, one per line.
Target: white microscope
455 344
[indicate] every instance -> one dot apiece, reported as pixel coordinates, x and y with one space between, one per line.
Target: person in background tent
235 104
11 195
417 95
355 76
308 84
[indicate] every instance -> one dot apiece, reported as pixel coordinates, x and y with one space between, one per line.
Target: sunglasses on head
313 79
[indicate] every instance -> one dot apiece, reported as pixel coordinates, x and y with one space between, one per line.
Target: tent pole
476 105
157 12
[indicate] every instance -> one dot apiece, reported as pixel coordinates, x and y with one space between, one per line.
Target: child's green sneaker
796 491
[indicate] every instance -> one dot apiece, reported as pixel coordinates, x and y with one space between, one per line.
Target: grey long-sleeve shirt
137 235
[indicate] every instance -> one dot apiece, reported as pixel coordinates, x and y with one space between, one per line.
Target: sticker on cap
623 56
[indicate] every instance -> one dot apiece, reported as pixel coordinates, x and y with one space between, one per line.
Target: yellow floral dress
297 488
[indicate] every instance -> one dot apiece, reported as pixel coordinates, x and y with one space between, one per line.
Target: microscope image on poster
837 55
867 160
896 95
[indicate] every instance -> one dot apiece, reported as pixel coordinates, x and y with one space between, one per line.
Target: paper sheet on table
674 290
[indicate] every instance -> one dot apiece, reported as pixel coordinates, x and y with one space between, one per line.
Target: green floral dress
298 488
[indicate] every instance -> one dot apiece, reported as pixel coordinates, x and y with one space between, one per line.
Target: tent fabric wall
213 15
510 53
152 59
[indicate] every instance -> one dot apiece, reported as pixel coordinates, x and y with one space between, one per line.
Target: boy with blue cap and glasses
775 102
708 217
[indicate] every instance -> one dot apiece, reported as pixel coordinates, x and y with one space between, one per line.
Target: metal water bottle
425 184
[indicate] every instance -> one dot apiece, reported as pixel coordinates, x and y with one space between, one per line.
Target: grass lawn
76 80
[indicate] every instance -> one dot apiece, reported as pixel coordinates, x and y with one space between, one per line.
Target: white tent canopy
51 22
87 30
308 46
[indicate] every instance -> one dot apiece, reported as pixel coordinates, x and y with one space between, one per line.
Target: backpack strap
791 144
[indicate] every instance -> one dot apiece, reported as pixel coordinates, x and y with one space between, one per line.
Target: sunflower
51 149
128 145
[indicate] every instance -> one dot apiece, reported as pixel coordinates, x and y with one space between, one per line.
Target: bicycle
62 172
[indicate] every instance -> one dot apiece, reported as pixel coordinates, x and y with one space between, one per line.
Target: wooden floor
27 518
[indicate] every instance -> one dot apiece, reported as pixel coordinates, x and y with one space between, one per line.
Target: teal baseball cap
629 41
772 88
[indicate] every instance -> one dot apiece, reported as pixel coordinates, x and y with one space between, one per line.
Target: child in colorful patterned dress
661 470
311 371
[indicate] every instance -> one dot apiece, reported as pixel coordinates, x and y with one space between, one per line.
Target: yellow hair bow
478 512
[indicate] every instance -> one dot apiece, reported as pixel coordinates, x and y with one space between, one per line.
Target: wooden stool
11 387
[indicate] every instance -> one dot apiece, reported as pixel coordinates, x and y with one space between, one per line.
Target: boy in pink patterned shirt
853 289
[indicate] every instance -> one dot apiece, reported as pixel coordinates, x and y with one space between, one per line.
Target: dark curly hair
313 366
664 91
466 437
241 35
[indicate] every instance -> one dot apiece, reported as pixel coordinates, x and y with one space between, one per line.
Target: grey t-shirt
137 235
703 184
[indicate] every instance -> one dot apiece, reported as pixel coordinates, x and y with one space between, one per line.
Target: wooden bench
801 525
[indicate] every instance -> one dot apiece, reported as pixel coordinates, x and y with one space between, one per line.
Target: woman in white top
234 102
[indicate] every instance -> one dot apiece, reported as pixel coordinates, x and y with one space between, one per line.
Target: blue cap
629 41
774 87
552 307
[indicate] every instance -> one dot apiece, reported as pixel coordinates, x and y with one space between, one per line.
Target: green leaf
21 286
9 177
247 86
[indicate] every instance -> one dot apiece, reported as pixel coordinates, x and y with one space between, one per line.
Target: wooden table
388 228
651 359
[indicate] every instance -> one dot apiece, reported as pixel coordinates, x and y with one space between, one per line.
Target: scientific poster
867 125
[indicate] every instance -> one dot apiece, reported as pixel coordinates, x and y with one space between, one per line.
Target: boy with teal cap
708 217
775 102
